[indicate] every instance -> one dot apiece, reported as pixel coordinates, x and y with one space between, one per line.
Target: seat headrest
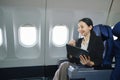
103 31
116 29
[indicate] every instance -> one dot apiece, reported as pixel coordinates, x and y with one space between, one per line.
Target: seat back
105 32
116 45
116 52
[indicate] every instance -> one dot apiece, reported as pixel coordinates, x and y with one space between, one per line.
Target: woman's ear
90 27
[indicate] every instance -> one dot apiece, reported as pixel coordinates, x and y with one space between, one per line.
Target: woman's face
83 28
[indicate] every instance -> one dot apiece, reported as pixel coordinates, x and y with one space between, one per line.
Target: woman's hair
88 21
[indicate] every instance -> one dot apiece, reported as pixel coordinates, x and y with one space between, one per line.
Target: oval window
60 35
27 35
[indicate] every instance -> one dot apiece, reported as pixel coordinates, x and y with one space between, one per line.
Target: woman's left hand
86 60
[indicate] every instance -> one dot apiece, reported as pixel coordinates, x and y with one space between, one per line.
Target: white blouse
84 45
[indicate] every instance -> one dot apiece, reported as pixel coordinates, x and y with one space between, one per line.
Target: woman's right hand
72 43
86 60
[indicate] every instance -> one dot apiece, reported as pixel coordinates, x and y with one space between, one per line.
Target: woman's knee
64 64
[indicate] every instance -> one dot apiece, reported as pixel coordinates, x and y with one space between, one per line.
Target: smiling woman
90 42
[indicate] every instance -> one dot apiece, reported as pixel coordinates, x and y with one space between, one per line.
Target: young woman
90 42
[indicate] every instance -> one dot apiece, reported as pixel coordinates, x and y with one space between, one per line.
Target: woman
90 42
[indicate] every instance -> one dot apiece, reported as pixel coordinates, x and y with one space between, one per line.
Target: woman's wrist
91 63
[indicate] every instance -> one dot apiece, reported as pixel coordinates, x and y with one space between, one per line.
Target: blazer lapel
91 41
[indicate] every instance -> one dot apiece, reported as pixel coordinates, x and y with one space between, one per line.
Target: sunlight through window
1 38
59 35
27 35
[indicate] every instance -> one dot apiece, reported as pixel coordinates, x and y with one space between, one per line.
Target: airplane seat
116 52
105 32
100 73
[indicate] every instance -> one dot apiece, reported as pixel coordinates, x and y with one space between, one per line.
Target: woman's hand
72 43
86 60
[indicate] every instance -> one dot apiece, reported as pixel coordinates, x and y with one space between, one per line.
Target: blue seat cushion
116 30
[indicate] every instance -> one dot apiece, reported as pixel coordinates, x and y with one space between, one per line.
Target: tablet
73 53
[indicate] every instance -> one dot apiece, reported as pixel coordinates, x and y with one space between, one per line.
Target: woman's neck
86 38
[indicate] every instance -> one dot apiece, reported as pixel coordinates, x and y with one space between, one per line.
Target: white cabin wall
13 14
114 15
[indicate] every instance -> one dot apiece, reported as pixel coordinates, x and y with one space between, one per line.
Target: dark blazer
95 48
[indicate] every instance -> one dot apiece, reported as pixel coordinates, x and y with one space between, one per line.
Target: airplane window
27 35
59 35
1 38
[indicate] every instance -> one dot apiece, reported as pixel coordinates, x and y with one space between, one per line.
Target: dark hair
88 21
